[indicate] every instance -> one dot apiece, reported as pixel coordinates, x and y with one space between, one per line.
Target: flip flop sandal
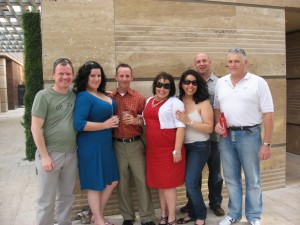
183 221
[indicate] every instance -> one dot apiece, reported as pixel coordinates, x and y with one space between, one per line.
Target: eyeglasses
188 82
89 63
165 86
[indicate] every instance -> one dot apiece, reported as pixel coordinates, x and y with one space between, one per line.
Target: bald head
202 64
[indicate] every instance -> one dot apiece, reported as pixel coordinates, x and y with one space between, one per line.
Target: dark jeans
197 156
215 180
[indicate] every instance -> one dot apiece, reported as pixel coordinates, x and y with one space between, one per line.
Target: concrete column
3 86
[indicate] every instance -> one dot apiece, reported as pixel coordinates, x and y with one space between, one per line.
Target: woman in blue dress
94 120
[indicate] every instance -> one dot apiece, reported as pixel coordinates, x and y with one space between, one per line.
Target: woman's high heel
172 223
163 219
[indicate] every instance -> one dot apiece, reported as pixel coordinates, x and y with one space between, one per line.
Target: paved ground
18 184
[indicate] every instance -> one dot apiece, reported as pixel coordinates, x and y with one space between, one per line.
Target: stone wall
3 86
162 35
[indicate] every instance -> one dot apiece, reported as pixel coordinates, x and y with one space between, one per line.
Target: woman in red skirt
165 154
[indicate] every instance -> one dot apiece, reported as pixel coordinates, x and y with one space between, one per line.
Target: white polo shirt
243 104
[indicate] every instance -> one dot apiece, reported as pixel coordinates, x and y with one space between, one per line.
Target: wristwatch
267 144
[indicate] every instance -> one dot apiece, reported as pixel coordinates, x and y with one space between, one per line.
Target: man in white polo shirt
246 101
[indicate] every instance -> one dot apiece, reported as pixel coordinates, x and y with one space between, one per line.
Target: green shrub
33 72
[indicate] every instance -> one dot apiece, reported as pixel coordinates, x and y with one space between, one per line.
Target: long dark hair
202 91
82 77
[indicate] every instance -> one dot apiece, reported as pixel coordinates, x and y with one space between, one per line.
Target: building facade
164 35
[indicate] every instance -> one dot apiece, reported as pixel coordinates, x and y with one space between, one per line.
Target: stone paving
18 184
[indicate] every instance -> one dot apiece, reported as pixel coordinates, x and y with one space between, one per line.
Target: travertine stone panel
3 83
265 33
285 3
160 35
3 73
3 86
278 90
273 169
78 30
3 95
156 40
277 160
3 100
260 64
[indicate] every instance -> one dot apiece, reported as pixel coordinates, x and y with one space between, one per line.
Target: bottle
223 124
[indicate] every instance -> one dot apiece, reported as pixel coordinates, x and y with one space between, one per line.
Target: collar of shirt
228 79
129 91
246 77
212 77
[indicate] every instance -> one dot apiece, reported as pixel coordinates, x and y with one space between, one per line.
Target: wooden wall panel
293 140
293 93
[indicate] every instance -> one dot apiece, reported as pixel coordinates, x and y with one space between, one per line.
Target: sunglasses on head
89 63
165 86
62 61
188 82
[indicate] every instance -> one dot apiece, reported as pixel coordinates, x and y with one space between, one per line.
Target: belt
127 140
242 128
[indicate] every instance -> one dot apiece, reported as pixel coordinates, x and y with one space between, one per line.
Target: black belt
242 128
127 140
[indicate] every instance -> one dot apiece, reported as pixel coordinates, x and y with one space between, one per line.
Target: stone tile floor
18 184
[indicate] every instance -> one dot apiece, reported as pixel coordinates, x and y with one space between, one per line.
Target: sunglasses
89 63
188 82
62 61
165 86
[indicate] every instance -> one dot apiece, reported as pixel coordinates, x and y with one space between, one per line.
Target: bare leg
200 222
94 202
170 196
105 194
163 203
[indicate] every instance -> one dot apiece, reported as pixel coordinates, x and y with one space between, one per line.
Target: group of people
182 134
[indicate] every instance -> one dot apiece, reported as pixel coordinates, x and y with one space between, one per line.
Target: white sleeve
177 105
265 97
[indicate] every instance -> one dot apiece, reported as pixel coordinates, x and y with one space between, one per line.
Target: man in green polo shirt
55 139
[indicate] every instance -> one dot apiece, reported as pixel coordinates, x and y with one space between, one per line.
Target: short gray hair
238 51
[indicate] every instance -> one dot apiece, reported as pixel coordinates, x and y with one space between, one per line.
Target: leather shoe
218 211
148 223
127 222
184 209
